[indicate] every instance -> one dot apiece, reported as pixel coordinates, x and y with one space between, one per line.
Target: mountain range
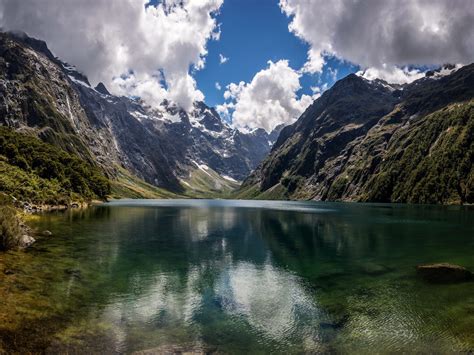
362 140
183 152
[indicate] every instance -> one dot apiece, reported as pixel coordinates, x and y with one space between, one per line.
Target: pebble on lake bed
444 273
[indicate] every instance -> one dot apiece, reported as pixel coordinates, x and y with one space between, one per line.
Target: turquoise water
254 277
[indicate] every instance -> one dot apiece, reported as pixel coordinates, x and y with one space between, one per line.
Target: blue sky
252 33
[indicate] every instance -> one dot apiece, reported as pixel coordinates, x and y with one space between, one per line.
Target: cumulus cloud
268 100
218 86
223 59
383 35
133 47
318 90
392 75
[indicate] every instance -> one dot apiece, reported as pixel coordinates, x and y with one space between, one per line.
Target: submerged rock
336 324
444 273
46 233
373 269
177 349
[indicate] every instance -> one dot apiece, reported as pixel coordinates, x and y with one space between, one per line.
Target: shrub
10 229
45 163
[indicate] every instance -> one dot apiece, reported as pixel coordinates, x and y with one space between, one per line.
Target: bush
10 229
45 163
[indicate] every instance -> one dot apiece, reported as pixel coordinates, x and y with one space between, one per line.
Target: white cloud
392 75
106 39
384 35
268 100
223 59
318 90
333 73
315 62
218 86
225 109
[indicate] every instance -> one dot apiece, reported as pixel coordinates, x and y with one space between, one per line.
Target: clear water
247 277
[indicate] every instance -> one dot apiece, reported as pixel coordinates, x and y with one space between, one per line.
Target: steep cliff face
162 145
372 141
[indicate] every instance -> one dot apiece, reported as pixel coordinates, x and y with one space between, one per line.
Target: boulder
47 233
444 273
25 241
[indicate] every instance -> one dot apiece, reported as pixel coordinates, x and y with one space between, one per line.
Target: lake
240 277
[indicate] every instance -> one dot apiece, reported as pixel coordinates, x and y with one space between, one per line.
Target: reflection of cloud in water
269 299
199 224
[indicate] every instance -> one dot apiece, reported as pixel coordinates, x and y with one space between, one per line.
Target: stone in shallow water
444 273
25 241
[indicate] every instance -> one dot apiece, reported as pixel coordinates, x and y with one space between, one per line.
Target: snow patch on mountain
80 82
229 178
445 70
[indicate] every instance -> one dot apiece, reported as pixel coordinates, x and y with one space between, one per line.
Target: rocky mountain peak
35 44
102 89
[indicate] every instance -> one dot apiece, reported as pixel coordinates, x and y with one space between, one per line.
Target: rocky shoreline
15 233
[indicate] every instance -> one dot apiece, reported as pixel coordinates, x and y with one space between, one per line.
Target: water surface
243 276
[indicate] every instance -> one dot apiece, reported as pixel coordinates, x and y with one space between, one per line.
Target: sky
249 39
259 62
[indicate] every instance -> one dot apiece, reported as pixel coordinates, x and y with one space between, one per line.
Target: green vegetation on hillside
41 173
431 162
427 161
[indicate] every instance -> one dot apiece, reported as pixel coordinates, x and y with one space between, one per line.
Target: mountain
372 141
163 145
